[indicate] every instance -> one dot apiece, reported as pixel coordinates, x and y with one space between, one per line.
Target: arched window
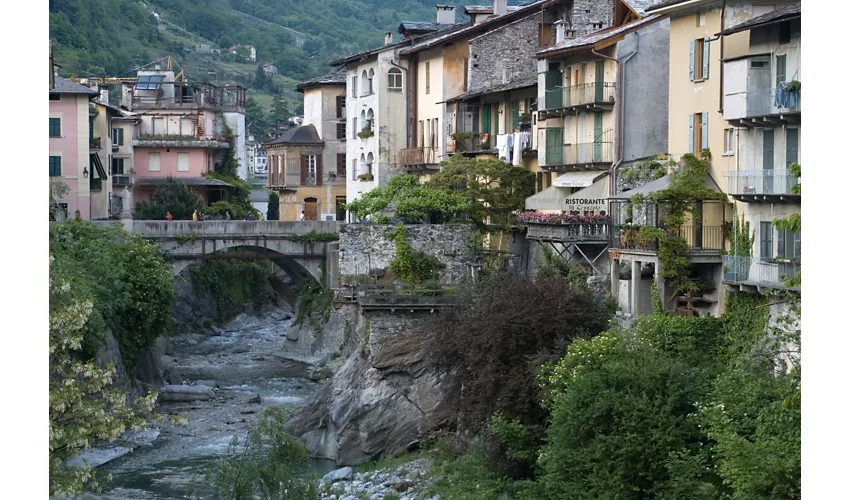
370 119
394 79
362 170
365 84
371 77
369 160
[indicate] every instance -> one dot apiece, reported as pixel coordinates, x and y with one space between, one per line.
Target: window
117 166
153 162
55 127
780 70
354 128
311 166
354 169
364 83
55 97
792 141
340 130
353 86
159 126
785 32
55 166
182 162
340 165
370 78
767 149
515 115
729 141
427 77
698 133
766 240
118 137
699 59
788 246
64 208
149 82
394 79
539 181
340 107
421 133
187 127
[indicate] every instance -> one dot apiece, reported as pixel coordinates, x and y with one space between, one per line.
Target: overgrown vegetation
174 197
233 283
410 266
314 303
413 202
274 206
313 237
793 222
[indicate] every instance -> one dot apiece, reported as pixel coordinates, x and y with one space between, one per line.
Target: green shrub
233 283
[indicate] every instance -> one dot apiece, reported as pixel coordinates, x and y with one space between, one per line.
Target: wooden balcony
420 157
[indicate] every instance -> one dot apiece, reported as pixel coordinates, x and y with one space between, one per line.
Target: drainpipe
722 24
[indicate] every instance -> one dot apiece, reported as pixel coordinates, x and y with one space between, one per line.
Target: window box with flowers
366 131
365 177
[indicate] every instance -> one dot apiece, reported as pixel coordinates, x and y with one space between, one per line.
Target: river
243 360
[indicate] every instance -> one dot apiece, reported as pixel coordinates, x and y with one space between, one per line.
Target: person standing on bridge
168 216
227 215
302 216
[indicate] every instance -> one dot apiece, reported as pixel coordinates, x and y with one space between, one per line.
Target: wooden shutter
691 133
340 165
340 103
705 60
544 35
303 169
691 67
319 169
340 130
486 115
704 131
782 239
767 149
515 114
792 138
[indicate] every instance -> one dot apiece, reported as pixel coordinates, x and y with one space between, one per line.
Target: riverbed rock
383 400
338 475
186 393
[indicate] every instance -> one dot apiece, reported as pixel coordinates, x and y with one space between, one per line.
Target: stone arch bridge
283 242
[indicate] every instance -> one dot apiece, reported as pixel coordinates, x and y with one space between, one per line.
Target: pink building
70 155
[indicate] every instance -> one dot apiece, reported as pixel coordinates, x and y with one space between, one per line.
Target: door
758 88
554 146
554 97
600 81
340 208
311 209
597 137
767 160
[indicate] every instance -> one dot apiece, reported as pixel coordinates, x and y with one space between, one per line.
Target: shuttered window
767 149
699 59
55 127
340 165
697 133
182 162
766 240
792 141
153 162
544 35
118 137
788 244
55 166
340 130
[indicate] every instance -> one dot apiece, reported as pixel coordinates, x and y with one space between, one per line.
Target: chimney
104 95
388 38
560 31
445 14
500 7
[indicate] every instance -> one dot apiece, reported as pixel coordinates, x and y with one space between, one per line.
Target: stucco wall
199 162
367 246
73 148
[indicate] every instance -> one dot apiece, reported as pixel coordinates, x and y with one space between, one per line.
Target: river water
243 360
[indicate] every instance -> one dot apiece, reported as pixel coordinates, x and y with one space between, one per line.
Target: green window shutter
486 115
766 239
693 49
767 149
55 127
780 70
797 245
515 114
691 133
705 59
782 240
704 137
539 181
55 166
792 141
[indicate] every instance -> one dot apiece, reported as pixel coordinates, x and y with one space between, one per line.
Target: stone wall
588 16
368 246
504 54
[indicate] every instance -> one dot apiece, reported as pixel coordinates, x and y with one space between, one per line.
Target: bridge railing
231 228
403 296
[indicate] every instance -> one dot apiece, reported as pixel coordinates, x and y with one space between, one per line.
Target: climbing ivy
313 237
314 303
740 238
411 266
233 284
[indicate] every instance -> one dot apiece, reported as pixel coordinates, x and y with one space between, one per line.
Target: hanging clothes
502 146
525 140
517 151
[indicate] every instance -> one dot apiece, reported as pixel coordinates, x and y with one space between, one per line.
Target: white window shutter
691 133
693 48
704 138
705 59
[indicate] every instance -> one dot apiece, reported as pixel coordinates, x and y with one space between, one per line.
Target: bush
274 206
174 197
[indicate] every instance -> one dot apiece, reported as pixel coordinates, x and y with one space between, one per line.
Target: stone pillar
615 279
635 305
662 290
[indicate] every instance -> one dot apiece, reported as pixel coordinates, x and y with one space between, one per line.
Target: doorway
340 208
311 209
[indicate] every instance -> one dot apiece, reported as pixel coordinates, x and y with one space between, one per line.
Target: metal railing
698 238
404 296
761 102
466 145
95 143
575 154
743 269
419 156
568 232
755 182
122 180
577 95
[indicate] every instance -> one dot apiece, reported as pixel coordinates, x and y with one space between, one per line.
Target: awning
658 185
96 166
593 198
578 179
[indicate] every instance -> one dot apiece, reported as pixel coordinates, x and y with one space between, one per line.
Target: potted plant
793 86
466 140
365 177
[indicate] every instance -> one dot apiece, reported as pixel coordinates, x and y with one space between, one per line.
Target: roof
776 16
189 181
63 86
667 3
422 26
516 83
640 6
336 77
658 185
112 109
469 29
302 134
591 40
268 64
485 9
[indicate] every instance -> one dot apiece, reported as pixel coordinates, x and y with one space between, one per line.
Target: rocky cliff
385 397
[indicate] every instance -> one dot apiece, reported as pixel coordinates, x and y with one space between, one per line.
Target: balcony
707 239
95 143
121 180
588 97
762 185
568 233
421 157
762 107
744 271
179 141
588 155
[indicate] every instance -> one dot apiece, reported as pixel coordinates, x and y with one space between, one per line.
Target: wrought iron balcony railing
698 238
746 270
760 182
602 93
576 154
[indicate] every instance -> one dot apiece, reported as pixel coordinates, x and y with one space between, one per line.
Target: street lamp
85 173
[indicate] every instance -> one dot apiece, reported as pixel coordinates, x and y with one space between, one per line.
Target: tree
495 190
274 206
280 113
85 407
174 197
413 202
